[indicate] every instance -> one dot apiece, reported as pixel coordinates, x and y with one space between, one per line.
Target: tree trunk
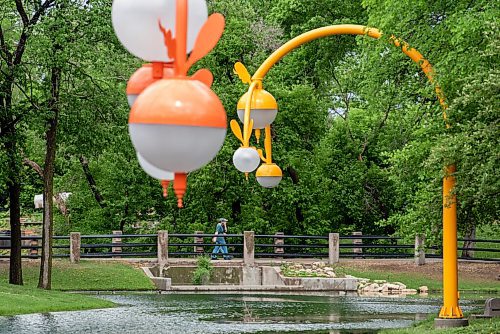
13 184
44 280
15 270
469 234
91 182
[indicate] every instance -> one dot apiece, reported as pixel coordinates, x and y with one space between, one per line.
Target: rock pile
365 285
316 269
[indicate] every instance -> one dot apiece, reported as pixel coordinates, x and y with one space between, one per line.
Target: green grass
476 326
413 281
22 300
87 275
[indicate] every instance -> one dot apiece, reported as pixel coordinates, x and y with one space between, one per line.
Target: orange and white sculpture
177 123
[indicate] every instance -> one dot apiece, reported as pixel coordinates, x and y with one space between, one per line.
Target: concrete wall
253 276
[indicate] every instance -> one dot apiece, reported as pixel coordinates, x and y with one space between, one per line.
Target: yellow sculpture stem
450 308
267 145
246 119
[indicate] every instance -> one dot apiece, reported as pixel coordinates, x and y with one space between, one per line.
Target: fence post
249 248
333 248
34 250
357 242
279 242
419 250
198 240
74 247
162 247
116 241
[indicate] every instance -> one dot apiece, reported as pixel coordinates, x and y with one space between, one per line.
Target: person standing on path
220 240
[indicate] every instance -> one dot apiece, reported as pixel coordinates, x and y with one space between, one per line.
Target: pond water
235 313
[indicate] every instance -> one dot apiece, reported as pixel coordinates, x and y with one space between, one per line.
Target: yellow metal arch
450 308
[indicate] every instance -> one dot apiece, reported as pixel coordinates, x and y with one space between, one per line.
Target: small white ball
246 159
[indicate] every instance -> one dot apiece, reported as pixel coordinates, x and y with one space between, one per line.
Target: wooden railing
279 245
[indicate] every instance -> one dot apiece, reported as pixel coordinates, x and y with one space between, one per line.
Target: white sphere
177 148
269 181
131 99
261 117
154 172
246 159
136 25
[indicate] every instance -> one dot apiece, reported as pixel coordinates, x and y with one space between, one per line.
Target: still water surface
234 313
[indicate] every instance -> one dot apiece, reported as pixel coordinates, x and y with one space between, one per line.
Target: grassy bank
87 275
476 326
413 280
23 299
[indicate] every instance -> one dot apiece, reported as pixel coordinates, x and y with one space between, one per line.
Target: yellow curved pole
341 29
247 127
268 146
450 308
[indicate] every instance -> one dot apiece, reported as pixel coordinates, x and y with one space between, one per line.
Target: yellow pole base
451 312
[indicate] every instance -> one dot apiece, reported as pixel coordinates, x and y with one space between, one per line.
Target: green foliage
289 272
359 134
204 270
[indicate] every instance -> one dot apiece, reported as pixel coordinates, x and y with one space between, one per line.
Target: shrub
204 270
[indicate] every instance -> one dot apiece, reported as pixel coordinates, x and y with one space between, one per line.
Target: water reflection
232 313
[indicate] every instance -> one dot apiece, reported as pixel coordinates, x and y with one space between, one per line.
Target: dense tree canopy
360 134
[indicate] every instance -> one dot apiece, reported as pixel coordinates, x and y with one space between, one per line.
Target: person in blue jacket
220 240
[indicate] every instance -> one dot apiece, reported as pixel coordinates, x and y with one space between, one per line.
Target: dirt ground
432 269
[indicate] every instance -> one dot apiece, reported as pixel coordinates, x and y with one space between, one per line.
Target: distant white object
64 196
38 201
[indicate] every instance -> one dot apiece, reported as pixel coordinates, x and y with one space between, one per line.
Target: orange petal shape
207 38
204 76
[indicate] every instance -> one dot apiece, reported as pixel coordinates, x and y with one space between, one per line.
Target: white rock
423 289
380 281
401 285
391 286
409 291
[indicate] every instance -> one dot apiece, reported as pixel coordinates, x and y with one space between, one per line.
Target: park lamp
263 108
269 175
176 123
162 175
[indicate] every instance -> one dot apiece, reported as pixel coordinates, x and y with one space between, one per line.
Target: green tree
18 27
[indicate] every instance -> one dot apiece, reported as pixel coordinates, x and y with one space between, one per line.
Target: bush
203 271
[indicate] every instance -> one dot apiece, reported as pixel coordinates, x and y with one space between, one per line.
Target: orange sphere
178 124
144 77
